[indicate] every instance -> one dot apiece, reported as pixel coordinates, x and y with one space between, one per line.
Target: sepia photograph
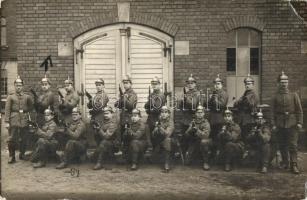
153 99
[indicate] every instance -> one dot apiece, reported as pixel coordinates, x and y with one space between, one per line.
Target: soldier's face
68 87
218 86
107 115
259 121
18 87
48 118
127 85
155 86
199 114
164 115
249 86
99 87
284 84
45 86
228 118
191 85
135 118
76 116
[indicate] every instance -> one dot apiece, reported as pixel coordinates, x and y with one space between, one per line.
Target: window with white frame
243 52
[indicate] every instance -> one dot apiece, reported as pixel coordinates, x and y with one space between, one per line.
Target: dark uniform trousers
232 151
287 140
45 148
138 141
73 150
105 147
204 146
17 136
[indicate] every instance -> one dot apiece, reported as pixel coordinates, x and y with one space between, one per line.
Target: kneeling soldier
107 134
259 139
77 143
162 133
136 138
232 146
46 144
198 137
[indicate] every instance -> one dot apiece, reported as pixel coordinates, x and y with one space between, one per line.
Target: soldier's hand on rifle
299 126
274 128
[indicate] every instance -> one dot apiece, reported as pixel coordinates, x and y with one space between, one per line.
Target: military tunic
77 143
71 100
198 137
17 107
161 135
259 141
108 135
232 145
247 106
286 114
153 107
126 103
44 100
97 104
46 144
137 134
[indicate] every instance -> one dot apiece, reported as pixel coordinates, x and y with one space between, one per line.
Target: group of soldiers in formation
208 128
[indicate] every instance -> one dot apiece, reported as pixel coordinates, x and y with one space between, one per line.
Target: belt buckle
20 111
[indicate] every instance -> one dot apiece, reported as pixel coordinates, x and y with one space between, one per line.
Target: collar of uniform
49 122
136 123
99 92
157 91
248 92
165 120
19 94
199 120
76 122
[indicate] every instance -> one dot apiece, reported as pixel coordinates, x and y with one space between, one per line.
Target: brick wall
41 24
8 10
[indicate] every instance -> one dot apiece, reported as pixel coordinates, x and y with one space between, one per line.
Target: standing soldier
44 100
98 102
136 136
259 140
17 108
217 106
77 143
126 103
107 134
153 106
247 107
68 102
191 99
198 134
287 117
232 146
161 135
46 144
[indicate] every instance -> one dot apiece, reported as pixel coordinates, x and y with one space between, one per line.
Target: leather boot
206 166
11 148
294 168
227 168
134 167
39 164
62 165
12 160
98 166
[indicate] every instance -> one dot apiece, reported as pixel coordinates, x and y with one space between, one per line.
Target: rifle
61 95
126 137
88 95
31 124
193 131
34 94
184 94
121 100
149 96
166 93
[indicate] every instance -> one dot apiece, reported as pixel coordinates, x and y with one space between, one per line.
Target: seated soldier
232 146
108 134
259 141
76 145
161 135
46 144
136 137
198 137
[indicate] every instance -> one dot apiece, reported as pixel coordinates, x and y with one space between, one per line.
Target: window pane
3 82
243 61
231 59
254 38
231 39
243 37
254 61
3 32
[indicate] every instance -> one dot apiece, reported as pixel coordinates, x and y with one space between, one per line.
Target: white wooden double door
114 51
